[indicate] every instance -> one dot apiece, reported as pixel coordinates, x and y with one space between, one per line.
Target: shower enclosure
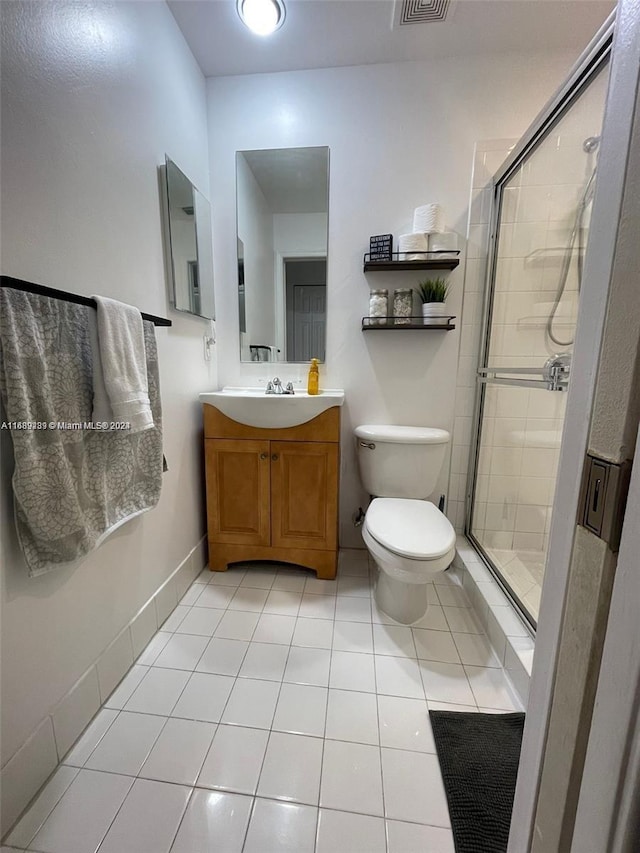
542 205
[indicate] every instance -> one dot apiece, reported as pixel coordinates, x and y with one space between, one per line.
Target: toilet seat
413 529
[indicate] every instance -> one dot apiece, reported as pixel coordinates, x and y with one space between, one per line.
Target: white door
305 291
558 771
309 320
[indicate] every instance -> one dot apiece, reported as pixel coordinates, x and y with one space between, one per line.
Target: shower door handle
555 374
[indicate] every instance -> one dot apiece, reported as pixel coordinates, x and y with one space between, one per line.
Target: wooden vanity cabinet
272 494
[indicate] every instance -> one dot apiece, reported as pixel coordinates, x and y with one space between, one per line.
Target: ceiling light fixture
262 17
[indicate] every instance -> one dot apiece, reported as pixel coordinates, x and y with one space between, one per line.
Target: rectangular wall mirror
282 198
188 242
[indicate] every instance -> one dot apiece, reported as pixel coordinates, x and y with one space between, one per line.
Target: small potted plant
433 294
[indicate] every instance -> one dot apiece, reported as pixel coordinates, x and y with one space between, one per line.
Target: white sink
251 406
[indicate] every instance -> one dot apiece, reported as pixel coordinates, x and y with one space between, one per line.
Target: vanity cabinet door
304 494
238 485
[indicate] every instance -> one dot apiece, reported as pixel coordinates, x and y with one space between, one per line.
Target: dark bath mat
478 755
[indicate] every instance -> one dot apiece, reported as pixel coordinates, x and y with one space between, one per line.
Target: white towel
102 412
124 366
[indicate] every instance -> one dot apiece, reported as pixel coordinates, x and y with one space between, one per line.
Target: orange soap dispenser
314 378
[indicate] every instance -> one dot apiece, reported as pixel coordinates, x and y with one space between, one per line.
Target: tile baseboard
33 763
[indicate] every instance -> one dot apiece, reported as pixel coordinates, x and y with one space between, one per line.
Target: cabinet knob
264 456
274 456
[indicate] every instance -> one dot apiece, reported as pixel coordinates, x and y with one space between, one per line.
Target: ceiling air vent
420 11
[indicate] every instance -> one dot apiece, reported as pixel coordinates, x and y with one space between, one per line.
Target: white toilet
408 537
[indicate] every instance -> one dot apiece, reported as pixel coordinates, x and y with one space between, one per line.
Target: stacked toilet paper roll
428 219
446 243
412 246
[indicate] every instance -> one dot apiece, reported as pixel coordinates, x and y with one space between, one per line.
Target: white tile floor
274 712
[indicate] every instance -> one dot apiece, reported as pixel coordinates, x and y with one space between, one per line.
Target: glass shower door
544 206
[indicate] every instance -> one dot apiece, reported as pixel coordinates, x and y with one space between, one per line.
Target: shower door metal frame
591 63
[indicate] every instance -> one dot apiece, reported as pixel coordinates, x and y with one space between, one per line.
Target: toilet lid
411 528
402 434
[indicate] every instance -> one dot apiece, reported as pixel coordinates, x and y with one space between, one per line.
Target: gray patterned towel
72 485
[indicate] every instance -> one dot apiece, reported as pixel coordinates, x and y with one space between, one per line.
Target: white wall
94 95
399 135
300 233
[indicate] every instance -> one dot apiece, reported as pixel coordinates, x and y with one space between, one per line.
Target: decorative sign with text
380 247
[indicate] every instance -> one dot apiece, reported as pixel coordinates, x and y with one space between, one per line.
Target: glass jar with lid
379 307
402 306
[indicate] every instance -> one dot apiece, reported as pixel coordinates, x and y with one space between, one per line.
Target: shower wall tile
479 514
513 275
503 489
529 542
530 518
537 491
477 241
488 156
535 222
464 406
506 460
470 339
473 279
462 430
500 516
482 486
509 432
480 209
467 366
481 176
459 459
497 540
455 486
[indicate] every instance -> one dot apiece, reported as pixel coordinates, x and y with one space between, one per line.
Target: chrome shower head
591 144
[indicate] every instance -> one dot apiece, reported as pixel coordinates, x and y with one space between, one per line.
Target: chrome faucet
274 386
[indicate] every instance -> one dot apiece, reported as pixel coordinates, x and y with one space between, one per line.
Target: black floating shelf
380 324
429 261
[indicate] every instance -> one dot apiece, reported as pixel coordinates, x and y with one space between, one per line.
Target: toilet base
404 602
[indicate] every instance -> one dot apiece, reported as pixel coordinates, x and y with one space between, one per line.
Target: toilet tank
400 461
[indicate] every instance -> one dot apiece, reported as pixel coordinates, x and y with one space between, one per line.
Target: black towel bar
41 290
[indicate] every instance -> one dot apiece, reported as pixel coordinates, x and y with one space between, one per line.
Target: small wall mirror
282 198
188 243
